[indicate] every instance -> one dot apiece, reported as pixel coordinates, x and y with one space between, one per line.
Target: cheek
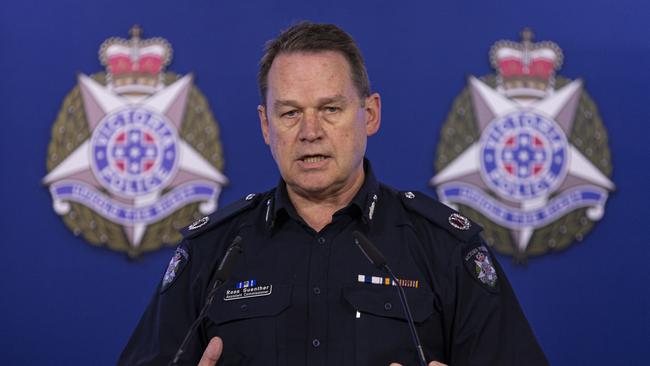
359 136
279 146
350 143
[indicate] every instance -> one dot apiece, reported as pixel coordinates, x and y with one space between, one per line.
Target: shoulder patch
440 214
176 265
480 265
206 223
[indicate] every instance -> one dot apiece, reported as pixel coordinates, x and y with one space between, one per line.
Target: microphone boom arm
377 258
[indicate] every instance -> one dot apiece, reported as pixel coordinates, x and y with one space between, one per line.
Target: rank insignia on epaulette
479 265
206 223
176 265
199 223
442 215
460 222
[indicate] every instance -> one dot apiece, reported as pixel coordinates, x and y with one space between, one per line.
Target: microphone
220 276
225 267
375 257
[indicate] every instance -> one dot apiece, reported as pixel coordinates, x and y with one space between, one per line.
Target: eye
332 109
290 114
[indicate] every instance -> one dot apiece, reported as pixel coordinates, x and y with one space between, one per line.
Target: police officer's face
316 124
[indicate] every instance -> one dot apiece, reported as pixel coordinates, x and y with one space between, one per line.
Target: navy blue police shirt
301 297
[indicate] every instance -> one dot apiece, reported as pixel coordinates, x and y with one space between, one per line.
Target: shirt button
317 290
388 306
321 240
243 307
315 343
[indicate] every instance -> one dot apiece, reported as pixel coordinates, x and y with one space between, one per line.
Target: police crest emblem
479 265
525 153
176 265
135 152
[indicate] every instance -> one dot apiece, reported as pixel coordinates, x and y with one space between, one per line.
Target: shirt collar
279 206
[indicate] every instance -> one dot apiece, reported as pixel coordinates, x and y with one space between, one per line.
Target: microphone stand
375 257
221 276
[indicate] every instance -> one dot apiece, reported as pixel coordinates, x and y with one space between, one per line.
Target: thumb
212 352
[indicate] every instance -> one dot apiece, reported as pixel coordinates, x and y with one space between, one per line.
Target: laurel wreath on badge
588 135
70 130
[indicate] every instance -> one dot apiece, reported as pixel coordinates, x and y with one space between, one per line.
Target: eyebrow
322 101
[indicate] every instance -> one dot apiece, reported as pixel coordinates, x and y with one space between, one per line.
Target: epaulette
206 223
441 215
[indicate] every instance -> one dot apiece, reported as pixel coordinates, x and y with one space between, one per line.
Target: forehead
308 74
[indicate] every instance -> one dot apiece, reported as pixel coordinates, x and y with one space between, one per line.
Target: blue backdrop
66 302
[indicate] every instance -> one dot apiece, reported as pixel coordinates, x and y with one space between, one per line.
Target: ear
372 111
264 122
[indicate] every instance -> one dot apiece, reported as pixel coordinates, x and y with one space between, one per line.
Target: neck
317 209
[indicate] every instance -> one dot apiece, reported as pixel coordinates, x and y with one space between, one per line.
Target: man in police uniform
301 292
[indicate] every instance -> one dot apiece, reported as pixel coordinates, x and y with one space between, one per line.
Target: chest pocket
266 305
251 326
384 301
381 330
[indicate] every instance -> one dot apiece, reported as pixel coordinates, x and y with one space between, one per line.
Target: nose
311 128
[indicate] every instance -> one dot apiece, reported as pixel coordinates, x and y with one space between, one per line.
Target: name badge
248 292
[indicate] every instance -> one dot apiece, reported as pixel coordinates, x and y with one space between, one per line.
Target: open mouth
313 158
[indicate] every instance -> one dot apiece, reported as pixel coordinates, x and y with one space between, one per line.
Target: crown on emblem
135 66
526 69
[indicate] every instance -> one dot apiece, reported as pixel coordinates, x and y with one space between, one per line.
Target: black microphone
220 276
225 267
375 257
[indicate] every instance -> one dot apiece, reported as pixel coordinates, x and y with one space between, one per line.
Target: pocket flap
245 307
384 301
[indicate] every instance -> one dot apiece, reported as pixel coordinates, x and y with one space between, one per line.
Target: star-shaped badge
134 158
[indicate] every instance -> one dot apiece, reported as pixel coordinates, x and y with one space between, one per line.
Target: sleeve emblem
479 265
176 265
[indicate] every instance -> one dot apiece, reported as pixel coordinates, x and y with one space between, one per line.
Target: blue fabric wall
64 301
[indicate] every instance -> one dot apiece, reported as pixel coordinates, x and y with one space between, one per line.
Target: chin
312 185
313 188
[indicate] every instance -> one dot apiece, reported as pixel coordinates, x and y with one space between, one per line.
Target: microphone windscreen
228 261
372 253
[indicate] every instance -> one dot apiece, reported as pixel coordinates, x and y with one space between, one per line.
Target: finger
436 363
212 352
395 364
